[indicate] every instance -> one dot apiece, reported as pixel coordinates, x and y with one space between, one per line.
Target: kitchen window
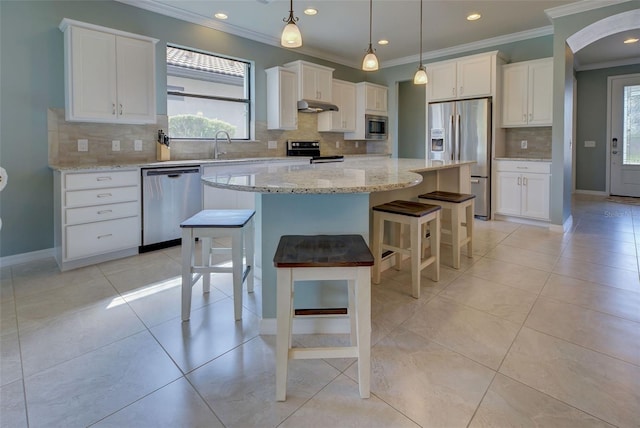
207 93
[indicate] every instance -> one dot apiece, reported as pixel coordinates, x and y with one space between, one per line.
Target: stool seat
447 196
301 258
417 216
414 209
322 251
219 218
207 225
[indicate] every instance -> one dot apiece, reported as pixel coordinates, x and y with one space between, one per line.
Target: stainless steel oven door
375 127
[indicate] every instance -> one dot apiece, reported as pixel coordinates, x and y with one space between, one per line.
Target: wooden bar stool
417 216
207 225
324 257
456 206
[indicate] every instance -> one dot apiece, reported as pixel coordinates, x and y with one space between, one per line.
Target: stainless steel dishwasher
170 195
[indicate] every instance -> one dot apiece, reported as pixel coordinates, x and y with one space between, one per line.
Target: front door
625 135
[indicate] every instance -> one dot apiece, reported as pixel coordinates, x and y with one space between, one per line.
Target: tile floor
538 329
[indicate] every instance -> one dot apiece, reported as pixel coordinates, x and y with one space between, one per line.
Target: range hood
315 106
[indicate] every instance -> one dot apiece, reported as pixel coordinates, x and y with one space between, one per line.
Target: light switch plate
357 144
523 144
337 144
137 145
115 145
589 143
272 145
83 145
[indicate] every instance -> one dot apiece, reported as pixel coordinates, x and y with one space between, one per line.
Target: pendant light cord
420 32
370 20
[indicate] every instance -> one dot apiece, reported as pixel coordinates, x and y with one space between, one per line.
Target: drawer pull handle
103 179
105 211
105 236
105 195
475 181
522 167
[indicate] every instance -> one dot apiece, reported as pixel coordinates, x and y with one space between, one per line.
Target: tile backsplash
538 142
63 142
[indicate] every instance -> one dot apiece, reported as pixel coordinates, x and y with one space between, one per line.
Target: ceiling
340 30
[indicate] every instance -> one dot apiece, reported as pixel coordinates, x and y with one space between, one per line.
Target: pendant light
420 77
291 37
370 61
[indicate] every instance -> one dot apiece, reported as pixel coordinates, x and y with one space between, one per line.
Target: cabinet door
324 85
308 85
282 99
91 85
508 193
348 107
376 98
474 77
535 196
540 106
442 81
514 95
135 80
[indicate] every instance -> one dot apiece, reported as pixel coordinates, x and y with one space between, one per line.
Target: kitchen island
327 198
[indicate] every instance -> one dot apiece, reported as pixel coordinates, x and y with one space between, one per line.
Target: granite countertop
356 175
526 159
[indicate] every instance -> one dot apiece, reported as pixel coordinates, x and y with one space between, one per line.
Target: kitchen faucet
215 143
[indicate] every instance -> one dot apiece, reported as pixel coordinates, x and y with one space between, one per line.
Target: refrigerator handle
457 137
454 141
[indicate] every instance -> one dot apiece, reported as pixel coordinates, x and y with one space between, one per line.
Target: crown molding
579 7
174 12
609 64
480 44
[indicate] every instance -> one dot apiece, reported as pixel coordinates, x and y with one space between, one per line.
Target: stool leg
207 245
236 259
399 238
352 312
187 263
363 327
249 239
455 236
415 243
434 237
470 219
378 236
284 298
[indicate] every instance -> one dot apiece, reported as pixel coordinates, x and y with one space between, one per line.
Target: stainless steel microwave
375 127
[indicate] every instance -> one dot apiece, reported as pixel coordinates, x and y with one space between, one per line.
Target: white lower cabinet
522 189
97 216
215 198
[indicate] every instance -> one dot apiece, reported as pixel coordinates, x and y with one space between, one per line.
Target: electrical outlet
357 144
115 145
83 145
523 144
137 145
272 145
589 143
337 144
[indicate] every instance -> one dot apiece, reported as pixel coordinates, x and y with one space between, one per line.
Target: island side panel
308 214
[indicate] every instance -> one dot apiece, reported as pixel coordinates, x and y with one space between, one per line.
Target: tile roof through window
203 62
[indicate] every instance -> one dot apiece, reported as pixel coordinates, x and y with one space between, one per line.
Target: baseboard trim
564 227
591 192
310 325
17 259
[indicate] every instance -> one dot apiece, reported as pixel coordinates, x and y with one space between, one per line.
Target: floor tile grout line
22 376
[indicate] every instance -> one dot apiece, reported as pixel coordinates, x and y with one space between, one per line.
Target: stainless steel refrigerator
461 130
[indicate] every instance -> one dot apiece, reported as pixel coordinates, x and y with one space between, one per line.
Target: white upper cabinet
314 81
343 120
527 93
109 75
375 98
467 77
282 98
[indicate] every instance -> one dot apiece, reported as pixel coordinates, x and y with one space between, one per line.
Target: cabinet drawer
89 239
80 198
100 213
524 166
97 180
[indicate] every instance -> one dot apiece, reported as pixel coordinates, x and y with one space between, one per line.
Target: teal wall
31 81
591 163
411 120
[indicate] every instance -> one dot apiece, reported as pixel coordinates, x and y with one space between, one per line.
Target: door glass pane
631 125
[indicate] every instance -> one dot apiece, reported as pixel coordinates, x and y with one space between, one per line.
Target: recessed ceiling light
474 17
631 40
383 42
221 15
311 11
